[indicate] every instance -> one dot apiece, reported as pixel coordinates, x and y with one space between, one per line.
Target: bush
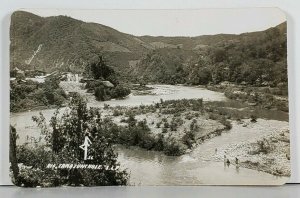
189 138
194 126
166 125
117 112
103 93
226 123
120 92
165 130
253 118
35 157
213 116
172 148
264 146
159 143
158 125
100 93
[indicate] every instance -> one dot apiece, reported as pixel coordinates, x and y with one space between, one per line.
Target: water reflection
237 168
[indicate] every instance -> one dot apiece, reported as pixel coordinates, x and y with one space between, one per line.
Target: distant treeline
258 59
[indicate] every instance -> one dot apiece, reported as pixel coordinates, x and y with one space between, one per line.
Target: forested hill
63 43
258 58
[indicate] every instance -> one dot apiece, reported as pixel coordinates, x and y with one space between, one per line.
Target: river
154 168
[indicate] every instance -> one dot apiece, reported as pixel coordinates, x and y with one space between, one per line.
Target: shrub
159 144
117 112
213 116
189 138
194 126
100 93
131 120
37 157
166 125
264 146
164 130
120 92
173 124
106 106
158 125
172 148
253 118
226 123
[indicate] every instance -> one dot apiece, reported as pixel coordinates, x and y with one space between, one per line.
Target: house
85 80
106 83
226 83
243 83
34 72
266 83
70 77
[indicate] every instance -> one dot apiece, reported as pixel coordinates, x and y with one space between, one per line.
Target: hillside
66 44
257 58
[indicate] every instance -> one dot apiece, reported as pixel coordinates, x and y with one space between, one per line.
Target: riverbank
267 149
174 126
275 98
167 122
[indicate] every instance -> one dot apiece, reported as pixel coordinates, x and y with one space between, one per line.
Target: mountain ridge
67 44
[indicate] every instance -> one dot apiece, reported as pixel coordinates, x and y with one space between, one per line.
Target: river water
154 168
165 92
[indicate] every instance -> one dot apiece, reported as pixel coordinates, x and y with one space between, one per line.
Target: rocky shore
267 150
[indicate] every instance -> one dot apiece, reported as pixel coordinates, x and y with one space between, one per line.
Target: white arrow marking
85 145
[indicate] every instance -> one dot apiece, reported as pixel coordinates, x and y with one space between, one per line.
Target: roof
107 83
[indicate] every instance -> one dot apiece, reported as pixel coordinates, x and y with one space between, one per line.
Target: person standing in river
236 161
237 166
228 162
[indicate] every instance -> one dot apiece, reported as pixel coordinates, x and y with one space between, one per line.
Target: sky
177 22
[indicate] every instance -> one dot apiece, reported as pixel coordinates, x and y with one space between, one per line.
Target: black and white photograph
149 97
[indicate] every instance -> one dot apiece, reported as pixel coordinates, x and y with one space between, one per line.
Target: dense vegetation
25 95
169 137
62 140
138 133
256 59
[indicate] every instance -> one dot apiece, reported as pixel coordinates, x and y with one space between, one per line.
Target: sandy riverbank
266 147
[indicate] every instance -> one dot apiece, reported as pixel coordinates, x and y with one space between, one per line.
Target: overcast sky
177 22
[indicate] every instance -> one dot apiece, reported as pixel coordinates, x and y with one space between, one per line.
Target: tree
13 155
100 70
219 55
74 126
100 93
217 73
